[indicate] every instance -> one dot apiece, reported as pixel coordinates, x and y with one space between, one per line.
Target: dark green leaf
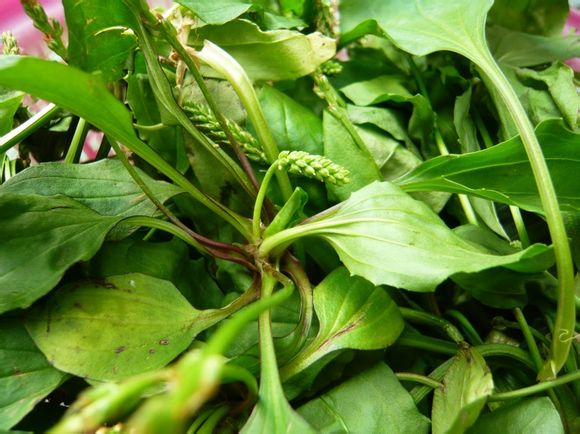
527 416
543 17
115 328
25 375
104 186
372 402
294 127
466 386
272 55
385 236
41 238
523 49
503 173
353 313
97 35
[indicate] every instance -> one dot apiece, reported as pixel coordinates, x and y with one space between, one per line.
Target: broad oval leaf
503 173
41 238
526 416
466 386
372 402
421 27
104 186
114 328
354 314
271 55
25 375
387 237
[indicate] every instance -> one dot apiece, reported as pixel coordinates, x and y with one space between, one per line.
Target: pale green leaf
466 386
372 402
527 416
117 327
270 55
421 27
385 236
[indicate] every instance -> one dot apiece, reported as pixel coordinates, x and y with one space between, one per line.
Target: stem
296 270
415 340
520 226
228 331
503 350
420 392
532 347
536 388
256 216
566 311
468 329
463 199
432 320
168 227
27 128
422 379
168 32
163 92
232 71
78 138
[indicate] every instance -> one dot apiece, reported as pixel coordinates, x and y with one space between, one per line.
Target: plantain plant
327 216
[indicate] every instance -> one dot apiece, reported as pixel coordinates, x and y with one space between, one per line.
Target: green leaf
41 238
420 27
295 128
25 375
558 82
97 35
527 416
167 142
519 49
271 55
217 11
372 402
385 236
273 415
44 79
503 174
10 100
392 88
466 386
104 186
353 313
114 328
543 17
166 260
340 147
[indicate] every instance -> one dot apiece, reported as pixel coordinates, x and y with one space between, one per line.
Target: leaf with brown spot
105 330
